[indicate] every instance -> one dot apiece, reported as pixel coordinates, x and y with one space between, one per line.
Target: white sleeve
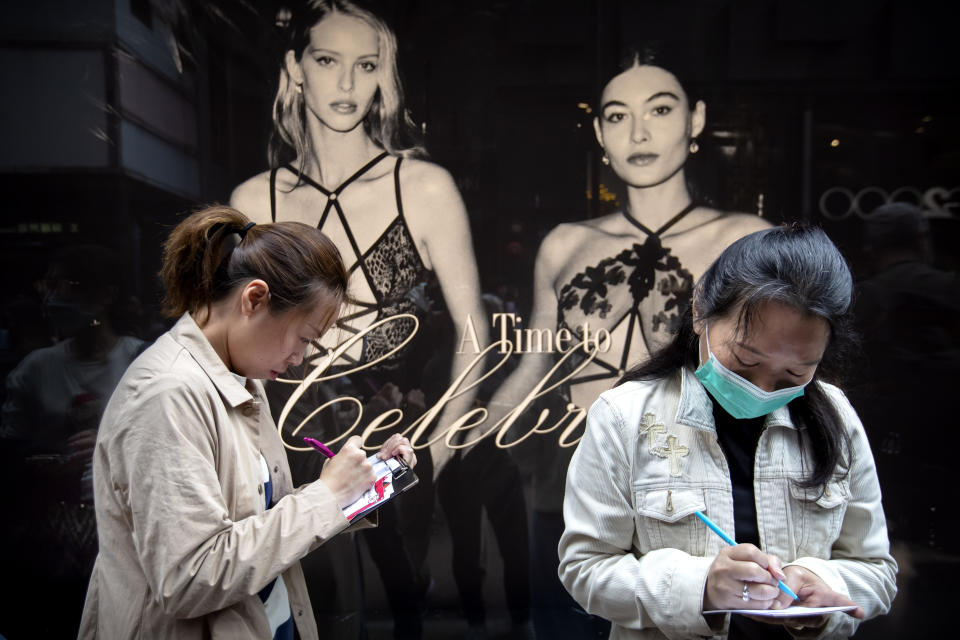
860 565
661 589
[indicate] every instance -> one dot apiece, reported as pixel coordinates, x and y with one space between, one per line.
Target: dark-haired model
630 272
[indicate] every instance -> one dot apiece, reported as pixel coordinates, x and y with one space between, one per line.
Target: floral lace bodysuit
609 294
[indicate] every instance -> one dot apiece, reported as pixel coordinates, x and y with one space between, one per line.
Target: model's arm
438 221
860 566
552 254
661 589
158 464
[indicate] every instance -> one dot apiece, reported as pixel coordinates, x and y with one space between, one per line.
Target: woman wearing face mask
630 273
734 418
344 158
201 528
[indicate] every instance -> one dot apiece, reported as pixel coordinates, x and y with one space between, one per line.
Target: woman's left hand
397 445
811 592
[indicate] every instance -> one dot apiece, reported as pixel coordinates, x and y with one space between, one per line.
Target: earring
694 146
605 160
298 87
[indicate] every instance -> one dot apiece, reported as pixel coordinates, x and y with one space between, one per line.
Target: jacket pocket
666 520
818 517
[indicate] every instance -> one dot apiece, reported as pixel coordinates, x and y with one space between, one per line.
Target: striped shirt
274 595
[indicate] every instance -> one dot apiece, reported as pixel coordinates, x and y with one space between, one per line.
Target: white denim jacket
634 553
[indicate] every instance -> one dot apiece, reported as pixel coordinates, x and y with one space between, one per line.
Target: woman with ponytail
736 419
201 531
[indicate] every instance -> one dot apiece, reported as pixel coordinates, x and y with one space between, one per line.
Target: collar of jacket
695 409
189 336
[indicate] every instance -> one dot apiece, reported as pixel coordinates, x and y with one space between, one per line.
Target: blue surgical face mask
738 396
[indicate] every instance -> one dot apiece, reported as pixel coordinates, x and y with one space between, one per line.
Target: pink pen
319 446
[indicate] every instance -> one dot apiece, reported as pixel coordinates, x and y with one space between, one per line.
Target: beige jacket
185 540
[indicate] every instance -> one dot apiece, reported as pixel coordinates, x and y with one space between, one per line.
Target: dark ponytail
215 250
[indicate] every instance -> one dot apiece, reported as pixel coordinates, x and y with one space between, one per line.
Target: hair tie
243 232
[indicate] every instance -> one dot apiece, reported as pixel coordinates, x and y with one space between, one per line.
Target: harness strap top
391 266
273 194
396 183
333 201
669 223
612 370
632 315
343 185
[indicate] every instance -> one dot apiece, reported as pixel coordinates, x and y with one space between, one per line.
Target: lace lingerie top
609 294
395 273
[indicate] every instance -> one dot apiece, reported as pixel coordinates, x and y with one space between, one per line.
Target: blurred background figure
909 315
54 400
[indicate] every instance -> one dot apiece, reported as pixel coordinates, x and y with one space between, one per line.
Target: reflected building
115 122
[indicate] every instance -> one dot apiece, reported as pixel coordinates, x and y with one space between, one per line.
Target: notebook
393 478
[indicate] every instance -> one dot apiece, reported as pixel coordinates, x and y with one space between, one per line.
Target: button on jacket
634 553
185 539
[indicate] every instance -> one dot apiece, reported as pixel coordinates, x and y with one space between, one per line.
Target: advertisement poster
525 194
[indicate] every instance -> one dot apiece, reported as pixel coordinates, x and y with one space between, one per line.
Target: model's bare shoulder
431 202
553 254
566 244
435 213
581 233
425 179
730 226
563 238
740 221
252 197
748 221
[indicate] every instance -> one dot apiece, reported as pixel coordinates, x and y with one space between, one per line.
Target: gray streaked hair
795 265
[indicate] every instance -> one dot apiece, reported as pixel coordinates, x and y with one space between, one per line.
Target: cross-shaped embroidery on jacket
650 428
673 452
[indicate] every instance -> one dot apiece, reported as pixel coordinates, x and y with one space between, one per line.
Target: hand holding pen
319 446
348 473
735 560
742 576
396 446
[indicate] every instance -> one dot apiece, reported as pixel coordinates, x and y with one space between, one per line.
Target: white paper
789 612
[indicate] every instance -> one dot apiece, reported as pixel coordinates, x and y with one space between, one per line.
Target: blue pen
730 541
